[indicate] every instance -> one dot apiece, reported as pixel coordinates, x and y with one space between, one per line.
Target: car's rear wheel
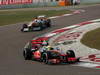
27 54
23 27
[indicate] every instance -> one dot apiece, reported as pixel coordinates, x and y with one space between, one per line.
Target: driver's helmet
49 48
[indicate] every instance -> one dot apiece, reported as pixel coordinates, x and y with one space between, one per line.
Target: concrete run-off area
70 40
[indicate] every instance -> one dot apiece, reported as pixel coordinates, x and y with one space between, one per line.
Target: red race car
36 50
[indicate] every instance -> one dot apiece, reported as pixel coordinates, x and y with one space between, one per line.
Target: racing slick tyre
27 54
21 30
24 28
45 59
70 53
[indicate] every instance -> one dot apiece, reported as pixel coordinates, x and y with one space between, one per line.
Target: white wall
90 1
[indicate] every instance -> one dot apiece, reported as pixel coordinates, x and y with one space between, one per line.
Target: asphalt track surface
12 42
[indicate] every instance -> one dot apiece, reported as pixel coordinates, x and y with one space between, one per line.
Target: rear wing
39 40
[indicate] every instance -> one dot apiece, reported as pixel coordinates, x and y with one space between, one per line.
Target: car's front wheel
70 53
71 56
45 60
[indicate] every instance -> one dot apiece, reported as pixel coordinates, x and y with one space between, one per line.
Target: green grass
92 39
11 17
